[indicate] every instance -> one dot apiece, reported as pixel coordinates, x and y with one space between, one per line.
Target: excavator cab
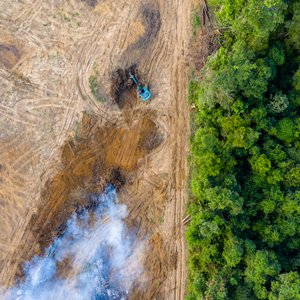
144 93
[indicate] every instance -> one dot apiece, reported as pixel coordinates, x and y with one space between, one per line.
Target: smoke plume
97 257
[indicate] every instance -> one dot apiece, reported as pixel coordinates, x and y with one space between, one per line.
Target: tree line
243 238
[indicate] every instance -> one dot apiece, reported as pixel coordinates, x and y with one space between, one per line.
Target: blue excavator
143 92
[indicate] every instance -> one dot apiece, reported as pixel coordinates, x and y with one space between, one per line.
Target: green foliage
244 234
296 80
233 251
285 130
196 22
260 164
294 26
216 289
287 287
279 103
277 55
95 89
261 267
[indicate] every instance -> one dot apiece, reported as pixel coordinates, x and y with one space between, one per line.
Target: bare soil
52 155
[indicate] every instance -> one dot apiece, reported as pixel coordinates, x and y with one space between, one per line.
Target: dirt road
48 52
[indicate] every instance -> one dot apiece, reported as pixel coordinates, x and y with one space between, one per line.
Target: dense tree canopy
244 235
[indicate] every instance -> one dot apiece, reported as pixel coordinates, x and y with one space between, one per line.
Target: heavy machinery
143 92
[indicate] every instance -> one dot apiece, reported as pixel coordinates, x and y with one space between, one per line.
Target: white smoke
103 258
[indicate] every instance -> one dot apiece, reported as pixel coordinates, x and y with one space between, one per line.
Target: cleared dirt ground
52 155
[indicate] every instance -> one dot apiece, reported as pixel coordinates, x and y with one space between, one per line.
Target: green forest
243 237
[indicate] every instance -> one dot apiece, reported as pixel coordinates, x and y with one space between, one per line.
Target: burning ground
95 258
99 155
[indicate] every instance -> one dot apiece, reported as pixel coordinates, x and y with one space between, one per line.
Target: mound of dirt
123 89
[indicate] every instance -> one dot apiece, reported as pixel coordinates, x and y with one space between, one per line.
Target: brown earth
52 156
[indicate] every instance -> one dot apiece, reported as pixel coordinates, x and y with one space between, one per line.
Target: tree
261 266
296 80
216 289
258 20
276 53
279 103
260 164
233 251
293 177
285 130
287 287
294 26
223 199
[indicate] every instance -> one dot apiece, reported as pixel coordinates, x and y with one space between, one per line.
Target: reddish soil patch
100 156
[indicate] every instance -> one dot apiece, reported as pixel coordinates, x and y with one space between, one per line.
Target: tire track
28 13
63 84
